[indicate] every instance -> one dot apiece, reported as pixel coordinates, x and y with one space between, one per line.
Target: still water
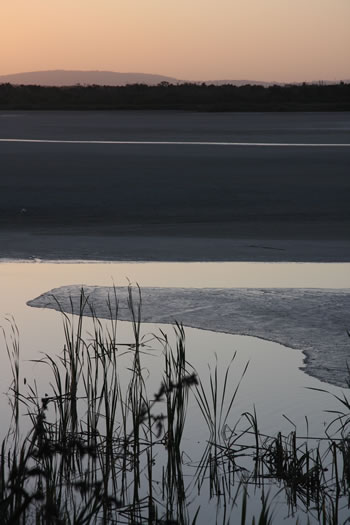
274 385
41 330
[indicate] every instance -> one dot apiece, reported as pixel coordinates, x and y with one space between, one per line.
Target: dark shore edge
98 246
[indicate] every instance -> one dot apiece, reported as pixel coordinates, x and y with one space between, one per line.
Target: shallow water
41 330
274 385
177 274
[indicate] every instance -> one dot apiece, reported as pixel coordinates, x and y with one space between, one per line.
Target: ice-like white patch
312 320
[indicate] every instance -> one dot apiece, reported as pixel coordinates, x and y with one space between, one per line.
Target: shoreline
63 246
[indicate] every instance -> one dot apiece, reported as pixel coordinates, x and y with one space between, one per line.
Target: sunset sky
282 40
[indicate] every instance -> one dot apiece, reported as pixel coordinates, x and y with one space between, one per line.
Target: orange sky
282 40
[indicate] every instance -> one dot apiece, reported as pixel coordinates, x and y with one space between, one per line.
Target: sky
270 40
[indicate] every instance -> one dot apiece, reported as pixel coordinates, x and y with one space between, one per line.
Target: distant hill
62 77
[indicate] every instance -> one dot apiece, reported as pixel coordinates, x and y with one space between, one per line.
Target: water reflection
274 385
41 330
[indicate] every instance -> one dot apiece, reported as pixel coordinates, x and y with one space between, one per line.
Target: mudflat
279 190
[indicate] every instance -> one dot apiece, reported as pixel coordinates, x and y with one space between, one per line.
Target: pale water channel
274 385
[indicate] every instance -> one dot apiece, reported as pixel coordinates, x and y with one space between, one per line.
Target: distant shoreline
185 97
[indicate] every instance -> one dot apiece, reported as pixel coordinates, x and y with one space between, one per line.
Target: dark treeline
197 97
